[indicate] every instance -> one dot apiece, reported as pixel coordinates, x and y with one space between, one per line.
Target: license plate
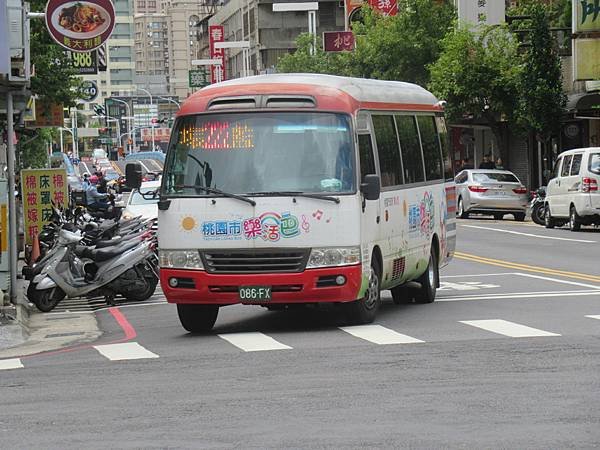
254 293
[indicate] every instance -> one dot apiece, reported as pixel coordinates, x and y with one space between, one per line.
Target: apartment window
152 4
141 4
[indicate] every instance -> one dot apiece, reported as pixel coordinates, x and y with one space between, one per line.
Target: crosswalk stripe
7 364
253 341
379 335
594 317
507 328
124 351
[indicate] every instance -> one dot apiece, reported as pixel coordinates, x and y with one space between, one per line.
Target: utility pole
12 206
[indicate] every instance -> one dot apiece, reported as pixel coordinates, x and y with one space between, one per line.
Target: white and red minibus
292 189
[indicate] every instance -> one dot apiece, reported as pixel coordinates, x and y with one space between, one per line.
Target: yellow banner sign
41 187
586 59
586 16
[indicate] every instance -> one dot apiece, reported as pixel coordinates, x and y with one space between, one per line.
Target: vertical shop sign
216 34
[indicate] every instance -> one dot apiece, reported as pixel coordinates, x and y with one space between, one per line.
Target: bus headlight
333 256
180 259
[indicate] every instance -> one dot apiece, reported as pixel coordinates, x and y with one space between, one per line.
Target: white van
572 194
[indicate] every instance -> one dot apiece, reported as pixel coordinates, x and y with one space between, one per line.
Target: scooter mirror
133 175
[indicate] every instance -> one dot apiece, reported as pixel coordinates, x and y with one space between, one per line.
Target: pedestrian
487 162
499 164
95 199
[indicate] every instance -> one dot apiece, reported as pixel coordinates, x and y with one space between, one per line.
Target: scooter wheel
45 300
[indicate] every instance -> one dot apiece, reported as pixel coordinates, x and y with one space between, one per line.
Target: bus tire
197 318
429 280
364 310
401 295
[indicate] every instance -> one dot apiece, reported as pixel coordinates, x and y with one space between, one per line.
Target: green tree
32 150
389 48
54 77
478 74
542 99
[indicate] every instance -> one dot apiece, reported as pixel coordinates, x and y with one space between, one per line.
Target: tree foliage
54 77
388 48
478 74
542 99
32 151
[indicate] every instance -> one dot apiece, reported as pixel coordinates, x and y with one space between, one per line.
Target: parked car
494 192
572 193
138 205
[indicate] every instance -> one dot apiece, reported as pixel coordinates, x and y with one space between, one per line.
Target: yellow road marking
526 267
116 167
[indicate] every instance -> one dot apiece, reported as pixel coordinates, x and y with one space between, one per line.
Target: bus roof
330 92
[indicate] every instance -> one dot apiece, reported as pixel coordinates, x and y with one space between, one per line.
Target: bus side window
431 148
411 149
365 150
390 164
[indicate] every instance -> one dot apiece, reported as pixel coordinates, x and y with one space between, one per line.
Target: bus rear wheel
197 318
429 280
365 309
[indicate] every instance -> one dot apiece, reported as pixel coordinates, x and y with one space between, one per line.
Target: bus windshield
261 153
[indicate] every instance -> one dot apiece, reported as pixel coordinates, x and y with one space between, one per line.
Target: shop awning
583 102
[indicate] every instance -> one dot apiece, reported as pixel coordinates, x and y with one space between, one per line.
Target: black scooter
537 205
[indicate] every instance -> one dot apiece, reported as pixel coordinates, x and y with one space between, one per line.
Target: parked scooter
537 205
129 269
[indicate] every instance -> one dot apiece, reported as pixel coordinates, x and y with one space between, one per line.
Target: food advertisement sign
41 187
80 26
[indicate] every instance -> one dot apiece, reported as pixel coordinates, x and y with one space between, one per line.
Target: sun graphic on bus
188 223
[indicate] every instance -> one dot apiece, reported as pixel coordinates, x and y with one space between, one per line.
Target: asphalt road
507 357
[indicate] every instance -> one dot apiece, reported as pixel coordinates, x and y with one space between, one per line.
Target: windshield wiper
298 194
218 192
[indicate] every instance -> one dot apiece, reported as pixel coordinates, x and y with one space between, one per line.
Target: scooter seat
104 254
118 240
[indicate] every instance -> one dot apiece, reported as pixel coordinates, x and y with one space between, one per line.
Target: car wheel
429 280
574 222
364 310
548 219
461 210
197 318
519 217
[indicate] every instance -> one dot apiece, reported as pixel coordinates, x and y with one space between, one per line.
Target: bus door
369 209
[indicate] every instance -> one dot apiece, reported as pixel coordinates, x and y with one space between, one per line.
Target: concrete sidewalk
30 331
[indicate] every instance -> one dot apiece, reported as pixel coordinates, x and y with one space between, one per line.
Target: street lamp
128 115
151 108
170 100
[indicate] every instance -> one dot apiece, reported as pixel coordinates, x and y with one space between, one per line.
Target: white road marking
557 280
500 230
465 286
506 328
124 351
7 364
253 341
594 317
379 335
511 295
478 275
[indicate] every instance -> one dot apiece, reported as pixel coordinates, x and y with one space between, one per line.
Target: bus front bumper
311 286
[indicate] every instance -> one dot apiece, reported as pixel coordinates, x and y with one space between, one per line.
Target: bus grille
255 261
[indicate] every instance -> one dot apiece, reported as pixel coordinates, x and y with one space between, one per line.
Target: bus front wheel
365 309
197 318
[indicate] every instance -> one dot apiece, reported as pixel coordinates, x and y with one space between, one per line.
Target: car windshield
257 153
594 165
138 199
490 177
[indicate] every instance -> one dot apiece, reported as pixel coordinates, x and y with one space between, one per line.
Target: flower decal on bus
421 216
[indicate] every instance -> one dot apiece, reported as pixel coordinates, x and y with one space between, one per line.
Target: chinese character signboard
198 78
484 12
216 34
80 26
41 187
586 16
160 134
48 114
337 41
385 7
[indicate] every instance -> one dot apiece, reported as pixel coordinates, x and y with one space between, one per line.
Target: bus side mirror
370 187
133 175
